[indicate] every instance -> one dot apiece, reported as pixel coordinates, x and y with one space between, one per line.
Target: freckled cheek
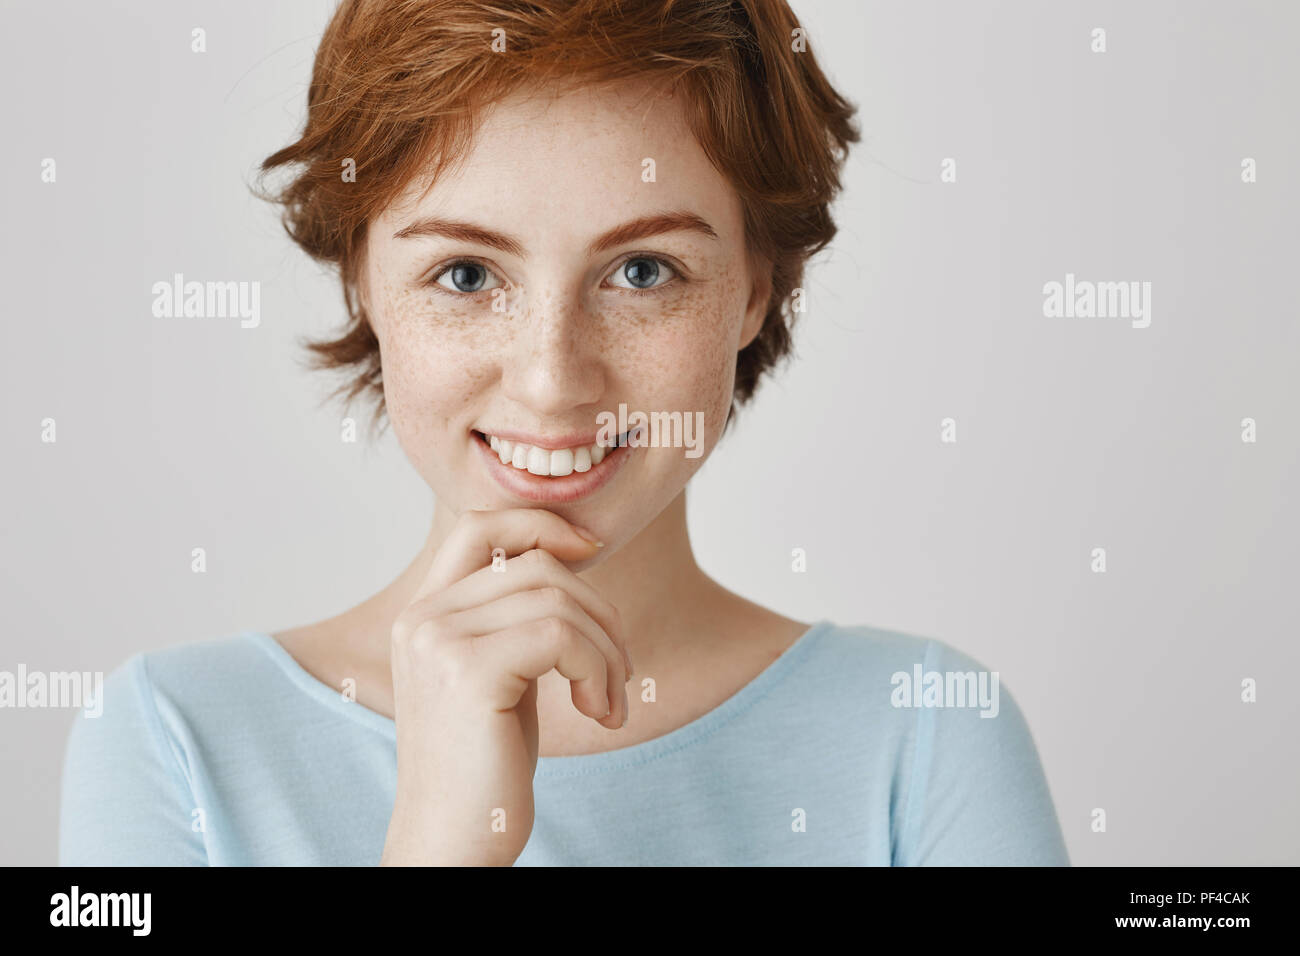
432 374
685 366
712 387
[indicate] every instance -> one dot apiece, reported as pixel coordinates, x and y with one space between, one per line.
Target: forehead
578 160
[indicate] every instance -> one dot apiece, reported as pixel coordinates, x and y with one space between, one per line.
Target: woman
545 221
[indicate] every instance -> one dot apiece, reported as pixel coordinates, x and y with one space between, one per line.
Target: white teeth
539 462
544 461
561 463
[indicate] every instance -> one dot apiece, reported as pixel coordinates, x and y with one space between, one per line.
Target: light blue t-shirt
228 752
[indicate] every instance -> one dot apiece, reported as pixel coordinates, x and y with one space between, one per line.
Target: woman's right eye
465 277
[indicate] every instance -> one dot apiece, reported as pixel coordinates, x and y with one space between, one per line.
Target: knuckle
404 628
539 558
556 629
455 664
401 632
425 635
554 598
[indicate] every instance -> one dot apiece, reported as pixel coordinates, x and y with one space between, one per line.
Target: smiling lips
551 475
555 463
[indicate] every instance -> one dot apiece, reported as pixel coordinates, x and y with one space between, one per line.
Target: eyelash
432 281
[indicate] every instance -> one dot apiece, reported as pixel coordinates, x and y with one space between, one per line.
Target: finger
477 534
542 603
533 569
525 651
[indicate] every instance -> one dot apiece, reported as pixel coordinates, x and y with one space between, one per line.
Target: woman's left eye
643 273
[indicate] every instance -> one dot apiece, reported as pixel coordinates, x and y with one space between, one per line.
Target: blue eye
642 273
467 277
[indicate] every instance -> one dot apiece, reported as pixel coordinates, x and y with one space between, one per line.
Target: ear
760 272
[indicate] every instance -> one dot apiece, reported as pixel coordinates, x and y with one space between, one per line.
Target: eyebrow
642 228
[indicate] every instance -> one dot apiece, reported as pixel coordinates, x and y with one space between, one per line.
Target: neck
655 583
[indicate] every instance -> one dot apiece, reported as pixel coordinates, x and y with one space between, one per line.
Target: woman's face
584 255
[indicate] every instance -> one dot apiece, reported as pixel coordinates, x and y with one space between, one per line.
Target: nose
555 365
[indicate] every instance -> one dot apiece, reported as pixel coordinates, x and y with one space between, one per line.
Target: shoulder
973 790
155 700
134 696
934 689
871 649
128 787
851 675
876 661
208 665
894 659
969 784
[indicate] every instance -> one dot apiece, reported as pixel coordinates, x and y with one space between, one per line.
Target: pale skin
485 671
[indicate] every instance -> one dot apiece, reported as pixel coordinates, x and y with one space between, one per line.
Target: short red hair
397 85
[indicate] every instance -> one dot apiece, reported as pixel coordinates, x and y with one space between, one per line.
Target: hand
466 655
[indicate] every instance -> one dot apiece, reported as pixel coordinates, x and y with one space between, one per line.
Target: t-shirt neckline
575 764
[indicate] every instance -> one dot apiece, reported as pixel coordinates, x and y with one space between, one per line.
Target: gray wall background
1072 433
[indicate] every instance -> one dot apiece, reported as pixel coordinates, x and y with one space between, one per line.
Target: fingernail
589 536
626 708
